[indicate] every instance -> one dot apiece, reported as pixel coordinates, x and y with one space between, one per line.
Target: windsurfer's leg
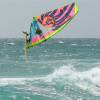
27 39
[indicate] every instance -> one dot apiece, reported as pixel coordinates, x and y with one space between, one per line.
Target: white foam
13 97
74 44
60 73
15 81
11 43
88 80
61 42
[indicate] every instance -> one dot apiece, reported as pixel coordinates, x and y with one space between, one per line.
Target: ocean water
59 69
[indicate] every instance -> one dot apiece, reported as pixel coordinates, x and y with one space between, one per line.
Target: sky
16 16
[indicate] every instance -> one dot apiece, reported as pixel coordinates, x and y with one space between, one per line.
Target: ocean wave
60 72
87 80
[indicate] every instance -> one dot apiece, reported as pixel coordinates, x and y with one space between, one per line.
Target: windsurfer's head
34 18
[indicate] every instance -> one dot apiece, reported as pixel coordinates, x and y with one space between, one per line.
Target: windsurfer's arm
25 33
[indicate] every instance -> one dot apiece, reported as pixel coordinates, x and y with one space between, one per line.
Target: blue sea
58 69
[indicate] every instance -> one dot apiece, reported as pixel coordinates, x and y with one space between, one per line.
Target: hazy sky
16 15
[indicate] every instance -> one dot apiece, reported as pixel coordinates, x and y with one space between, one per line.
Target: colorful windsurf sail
53 21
